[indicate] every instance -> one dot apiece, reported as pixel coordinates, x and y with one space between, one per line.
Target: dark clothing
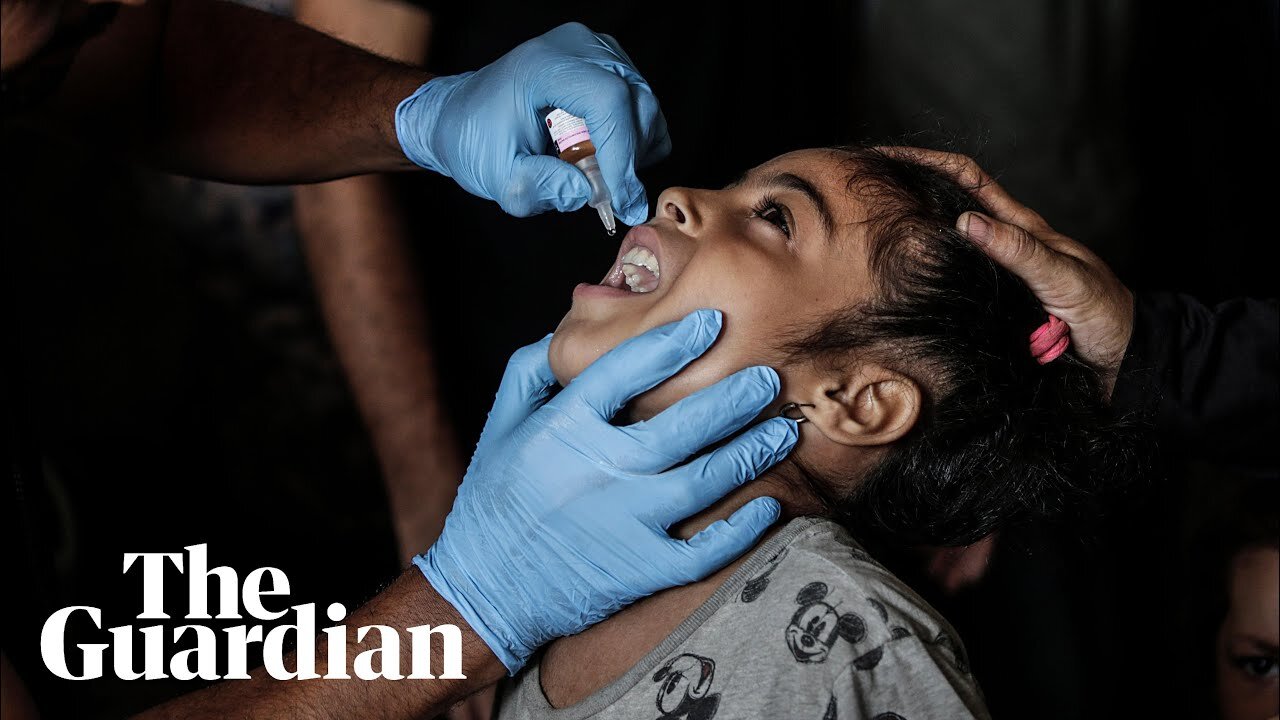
1211 375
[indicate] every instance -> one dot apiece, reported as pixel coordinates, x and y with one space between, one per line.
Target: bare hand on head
1070 280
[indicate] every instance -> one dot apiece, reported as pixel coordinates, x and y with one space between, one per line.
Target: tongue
638 278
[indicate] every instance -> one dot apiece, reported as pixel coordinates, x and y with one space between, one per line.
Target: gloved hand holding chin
562 517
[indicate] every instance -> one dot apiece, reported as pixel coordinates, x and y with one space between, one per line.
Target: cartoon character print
870 659
685 691
816 626
757 585
956 651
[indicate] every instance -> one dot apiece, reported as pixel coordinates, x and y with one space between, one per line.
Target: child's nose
680 206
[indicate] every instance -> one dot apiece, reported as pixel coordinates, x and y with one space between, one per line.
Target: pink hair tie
1050 340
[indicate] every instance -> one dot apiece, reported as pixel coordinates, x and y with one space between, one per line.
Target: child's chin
565 357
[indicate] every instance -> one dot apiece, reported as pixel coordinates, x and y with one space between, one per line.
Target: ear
867 405
851 628
811 593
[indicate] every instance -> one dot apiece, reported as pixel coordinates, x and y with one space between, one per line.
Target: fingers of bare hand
1046 271
965 171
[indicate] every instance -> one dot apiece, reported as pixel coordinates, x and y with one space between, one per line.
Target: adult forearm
1208 375
363 271
408 602
215 90
254 98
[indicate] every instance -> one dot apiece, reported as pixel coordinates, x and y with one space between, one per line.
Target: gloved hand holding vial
572 139
487 129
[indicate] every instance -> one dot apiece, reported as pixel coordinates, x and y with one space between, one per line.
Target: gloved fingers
690 489
539 183
702 419
724 540
656 142
612 45
622 143
613 116
571 35
524 388
641 362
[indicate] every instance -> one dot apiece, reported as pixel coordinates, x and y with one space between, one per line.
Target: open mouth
638 268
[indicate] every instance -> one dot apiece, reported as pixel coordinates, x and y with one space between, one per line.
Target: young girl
927 416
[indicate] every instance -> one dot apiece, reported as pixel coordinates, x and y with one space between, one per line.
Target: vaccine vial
573 142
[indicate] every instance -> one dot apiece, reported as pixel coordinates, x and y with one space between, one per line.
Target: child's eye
774 213
1258 666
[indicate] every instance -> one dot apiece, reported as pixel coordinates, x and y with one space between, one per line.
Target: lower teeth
635 280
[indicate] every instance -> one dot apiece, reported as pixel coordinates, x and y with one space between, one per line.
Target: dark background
178 385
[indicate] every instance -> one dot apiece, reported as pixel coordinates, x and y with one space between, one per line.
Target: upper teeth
634 259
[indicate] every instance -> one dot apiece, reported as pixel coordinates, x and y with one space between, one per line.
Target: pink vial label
566 130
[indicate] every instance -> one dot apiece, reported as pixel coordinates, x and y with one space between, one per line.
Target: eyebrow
1259 643
791 181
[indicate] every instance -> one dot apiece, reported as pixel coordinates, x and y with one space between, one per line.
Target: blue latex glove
562 517
486 129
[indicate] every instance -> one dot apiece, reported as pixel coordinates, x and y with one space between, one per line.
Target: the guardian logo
201 661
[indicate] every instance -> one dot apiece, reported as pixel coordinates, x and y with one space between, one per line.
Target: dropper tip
606 217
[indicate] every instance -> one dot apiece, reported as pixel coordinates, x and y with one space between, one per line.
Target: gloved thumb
539 183
632 204
724 540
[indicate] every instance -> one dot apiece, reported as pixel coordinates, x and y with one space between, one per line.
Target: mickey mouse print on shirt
756 586
817 625
685 691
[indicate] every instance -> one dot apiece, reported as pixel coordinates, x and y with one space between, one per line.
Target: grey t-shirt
808 627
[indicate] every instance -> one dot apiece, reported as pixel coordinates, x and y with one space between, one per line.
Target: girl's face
776 251
1249 639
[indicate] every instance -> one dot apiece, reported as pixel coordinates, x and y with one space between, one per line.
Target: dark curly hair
1001 439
